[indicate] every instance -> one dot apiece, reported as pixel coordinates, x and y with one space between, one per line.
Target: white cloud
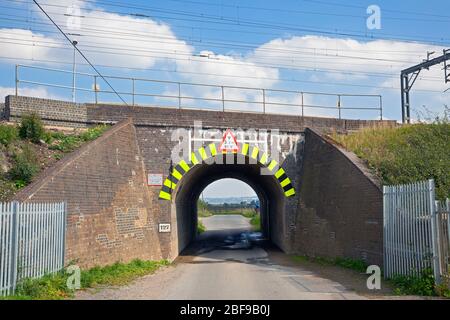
19 44
38 92
144 43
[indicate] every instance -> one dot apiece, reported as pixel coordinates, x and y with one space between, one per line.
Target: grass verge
405 154
255 221
200 227
54 287
357 265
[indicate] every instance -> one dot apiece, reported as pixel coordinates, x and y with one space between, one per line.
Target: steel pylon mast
409 76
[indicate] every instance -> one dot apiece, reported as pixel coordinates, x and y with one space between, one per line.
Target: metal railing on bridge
32 241
187 95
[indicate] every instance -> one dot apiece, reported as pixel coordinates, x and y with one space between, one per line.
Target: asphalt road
228 263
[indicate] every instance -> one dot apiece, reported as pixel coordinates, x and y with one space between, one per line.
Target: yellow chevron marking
264 158
170 184
212 148
272 165
164 195
194 159
245 149
255 152
290 192
279 173
176 174
202 152
184 165
285 182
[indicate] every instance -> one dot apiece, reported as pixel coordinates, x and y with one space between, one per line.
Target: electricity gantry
409 76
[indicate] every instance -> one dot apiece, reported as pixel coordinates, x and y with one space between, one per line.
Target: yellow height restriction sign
229 142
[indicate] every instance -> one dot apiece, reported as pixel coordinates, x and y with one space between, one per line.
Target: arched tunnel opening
271 196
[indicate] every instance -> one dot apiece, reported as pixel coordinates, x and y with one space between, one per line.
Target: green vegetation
68 143
28 148
255 221
25 166
31 128
422 286
206 210
8 134
412 285
200 227
54 287
405 154
202 209
357 265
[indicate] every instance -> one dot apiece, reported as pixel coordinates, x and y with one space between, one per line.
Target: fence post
17 80
434 232
64 234
264 100
179 95
447 204
95 90
15 245
381 108
132 93
339 106
385 213
303 105
223 99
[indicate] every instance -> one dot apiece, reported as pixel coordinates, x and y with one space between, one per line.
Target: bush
24 165
93 133
412 285
8 134
200 227
31 127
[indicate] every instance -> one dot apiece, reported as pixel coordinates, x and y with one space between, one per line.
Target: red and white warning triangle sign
229 142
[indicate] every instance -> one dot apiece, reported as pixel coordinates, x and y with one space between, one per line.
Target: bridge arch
210 154
188 179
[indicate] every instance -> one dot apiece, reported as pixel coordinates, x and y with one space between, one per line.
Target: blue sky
309 45
304 45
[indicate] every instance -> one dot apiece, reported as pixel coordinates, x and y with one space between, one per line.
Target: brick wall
81 115
110 216
3 115
340 208
113 214
52 112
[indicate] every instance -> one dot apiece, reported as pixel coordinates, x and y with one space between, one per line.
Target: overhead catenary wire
325 70
274 66
80 52
260 24
195 59
136 35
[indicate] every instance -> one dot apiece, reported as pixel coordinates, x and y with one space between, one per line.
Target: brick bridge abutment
114 214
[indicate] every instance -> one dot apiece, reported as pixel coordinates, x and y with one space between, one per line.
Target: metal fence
416 231
32 241
188 95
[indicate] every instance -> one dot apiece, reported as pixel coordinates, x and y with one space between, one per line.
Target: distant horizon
228 197
228 188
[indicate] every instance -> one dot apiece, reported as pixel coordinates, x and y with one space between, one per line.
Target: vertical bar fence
416 231
32 241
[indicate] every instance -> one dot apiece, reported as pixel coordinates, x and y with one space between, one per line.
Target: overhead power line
79 51
260 24
136 35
